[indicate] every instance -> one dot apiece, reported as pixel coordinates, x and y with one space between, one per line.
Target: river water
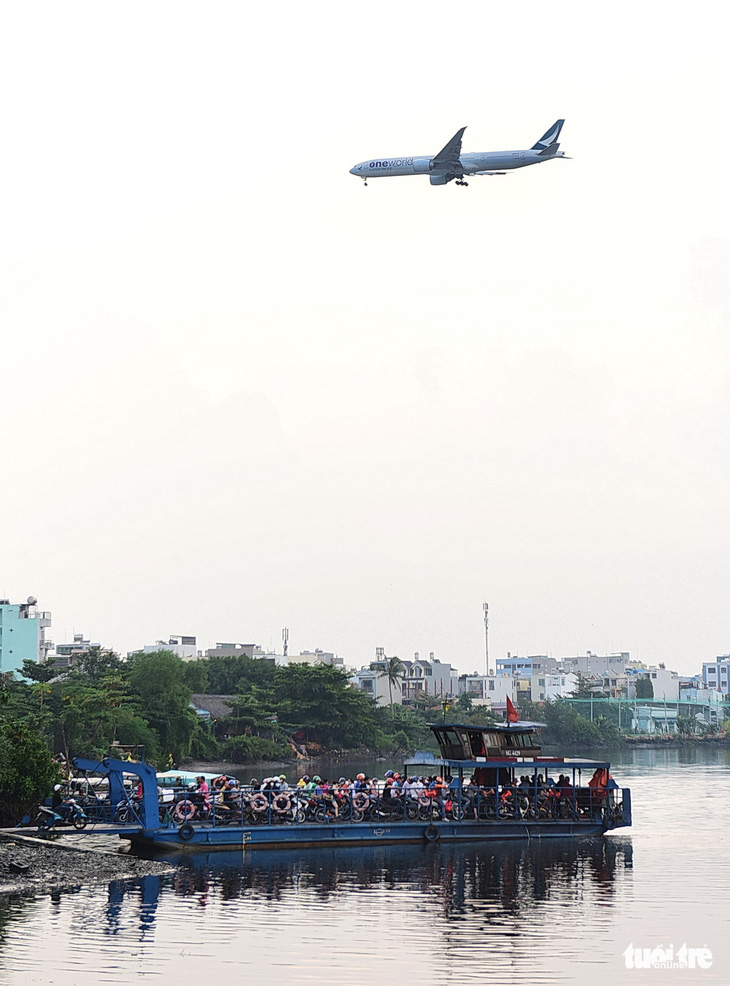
534 913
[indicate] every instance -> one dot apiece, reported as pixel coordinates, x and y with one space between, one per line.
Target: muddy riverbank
31 865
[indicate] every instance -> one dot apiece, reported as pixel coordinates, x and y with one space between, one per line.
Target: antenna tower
285 639
486 637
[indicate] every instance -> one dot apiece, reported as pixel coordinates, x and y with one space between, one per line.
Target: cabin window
476 743
450 742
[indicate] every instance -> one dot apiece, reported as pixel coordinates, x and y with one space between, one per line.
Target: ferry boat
488 782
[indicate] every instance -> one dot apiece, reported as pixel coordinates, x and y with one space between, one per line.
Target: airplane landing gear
461 182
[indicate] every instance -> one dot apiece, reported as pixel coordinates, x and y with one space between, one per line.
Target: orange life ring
281 804
360 801
259 803
184 810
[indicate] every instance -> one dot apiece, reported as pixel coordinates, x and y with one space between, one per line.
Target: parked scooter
68 813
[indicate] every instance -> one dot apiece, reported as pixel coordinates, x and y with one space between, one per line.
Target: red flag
512 713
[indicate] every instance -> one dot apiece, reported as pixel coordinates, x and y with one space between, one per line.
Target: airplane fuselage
471 163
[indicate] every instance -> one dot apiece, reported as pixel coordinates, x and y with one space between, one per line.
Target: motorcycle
69 813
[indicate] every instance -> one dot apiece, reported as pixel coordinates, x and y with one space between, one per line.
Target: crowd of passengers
540 789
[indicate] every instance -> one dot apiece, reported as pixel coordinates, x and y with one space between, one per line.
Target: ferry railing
246 806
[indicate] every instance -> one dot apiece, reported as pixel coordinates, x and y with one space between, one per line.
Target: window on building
491 686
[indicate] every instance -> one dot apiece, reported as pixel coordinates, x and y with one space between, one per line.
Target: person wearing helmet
303 780
439 789
388 773
57 799
283 786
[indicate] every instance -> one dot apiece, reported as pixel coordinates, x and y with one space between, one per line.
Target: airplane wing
447 158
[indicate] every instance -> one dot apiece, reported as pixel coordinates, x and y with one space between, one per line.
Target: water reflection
511 878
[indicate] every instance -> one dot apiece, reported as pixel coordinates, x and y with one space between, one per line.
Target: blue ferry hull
211 837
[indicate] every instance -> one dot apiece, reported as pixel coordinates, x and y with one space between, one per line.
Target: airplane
450 163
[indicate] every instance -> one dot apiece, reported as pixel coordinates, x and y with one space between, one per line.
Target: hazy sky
241 391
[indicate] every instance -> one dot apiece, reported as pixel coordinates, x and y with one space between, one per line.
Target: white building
184 647
716 674
68 654
427 679
316 657
546 686
665 683
590 663
374 684
489 689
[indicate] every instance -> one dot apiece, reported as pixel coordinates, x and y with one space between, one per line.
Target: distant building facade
316 657
22 634
184 646
547 686
590 663
373 683
526 666
491 690
68 654
425 679
235 650
716 674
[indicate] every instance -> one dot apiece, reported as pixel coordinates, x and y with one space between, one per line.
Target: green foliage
27 772
97 663
320 701
196 676
567 727
243 749
582 688
34 671
394 671
644 688
158 682
237 673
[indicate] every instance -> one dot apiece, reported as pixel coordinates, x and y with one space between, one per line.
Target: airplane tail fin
548 143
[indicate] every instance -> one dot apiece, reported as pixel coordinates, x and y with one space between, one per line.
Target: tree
583 689
34 671
644 688
26 769
196 676
394 671
158 681
321 701
96 662
237 673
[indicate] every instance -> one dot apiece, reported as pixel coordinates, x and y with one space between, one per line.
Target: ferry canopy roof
497 727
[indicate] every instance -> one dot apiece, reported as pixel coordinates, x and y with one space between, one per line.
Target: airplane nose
353 171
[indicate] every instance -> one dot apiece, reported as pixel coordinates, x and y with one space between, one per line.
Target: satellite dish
32 600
